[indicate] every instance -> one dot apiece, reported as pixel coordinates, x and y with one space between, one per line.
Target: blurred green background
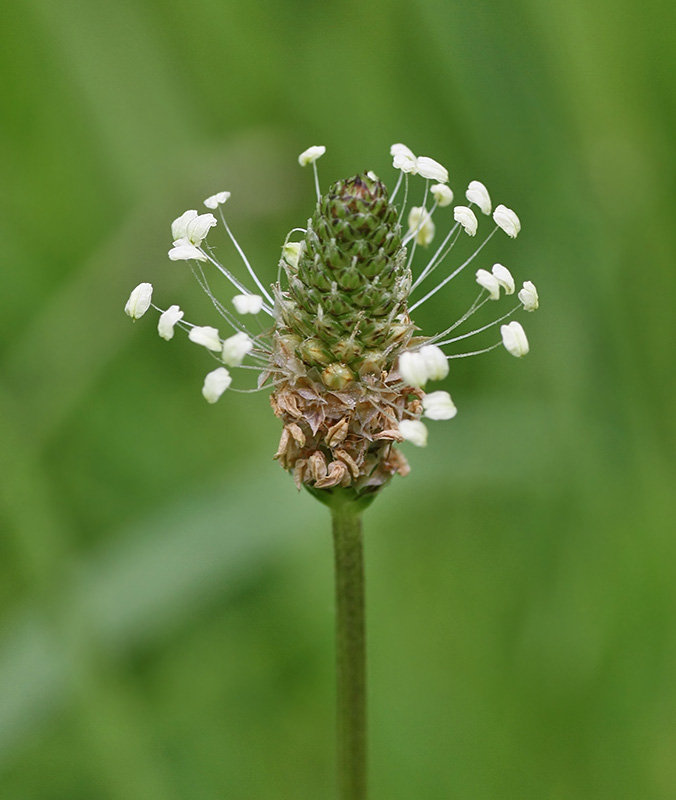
165 594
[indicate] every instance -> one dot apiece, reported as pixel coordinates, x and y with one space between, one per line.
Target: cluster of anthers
346 371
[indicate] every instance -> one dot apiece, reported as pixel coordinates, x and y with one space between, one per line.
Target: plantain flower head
334 339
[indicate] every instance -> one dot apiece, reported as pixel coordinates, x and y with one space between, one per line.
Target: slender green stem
350 650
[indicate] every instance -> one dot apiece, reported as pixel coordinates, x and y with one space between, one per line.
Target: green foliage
165 595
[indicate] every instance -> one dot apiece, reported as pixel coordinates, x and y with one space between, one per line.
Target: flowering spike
139 301
347 371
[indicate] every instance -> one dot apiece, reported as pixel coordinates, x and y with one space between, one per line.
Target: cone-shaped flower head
340 352
339 328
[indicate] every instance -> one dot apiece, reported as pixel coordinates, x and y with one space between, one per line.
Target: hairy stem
350 650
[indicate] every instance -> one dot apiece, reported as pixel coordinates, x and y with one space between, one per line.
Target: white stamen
420 226
504 278
435 362
514 339
467 218
217 199
311 155
413 431
431 169
413 369
477 193
506 219
247 303
489 283
215 383
438 406
167 321
139 301
529 297
206 336
186 252
401 150
442 194
235 348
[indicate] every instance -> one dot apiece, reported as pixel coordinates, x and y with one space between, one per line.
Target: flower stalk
350 648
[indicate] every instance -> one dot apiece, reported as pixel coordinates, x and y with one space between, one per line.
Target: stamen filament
435 260
482 328
403 205
396 188
456 272
314 169
237 284
244 258
230 318
475 352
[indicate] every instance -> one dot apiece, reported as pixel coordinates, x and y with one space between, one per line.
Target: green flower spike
346 370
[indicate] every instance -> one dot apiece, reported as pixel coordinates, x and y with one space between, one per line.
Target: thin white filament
403 205
482 328
314 169
237 284
476 305
230 318
475 352
456 272
244 258
396 188
436 260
